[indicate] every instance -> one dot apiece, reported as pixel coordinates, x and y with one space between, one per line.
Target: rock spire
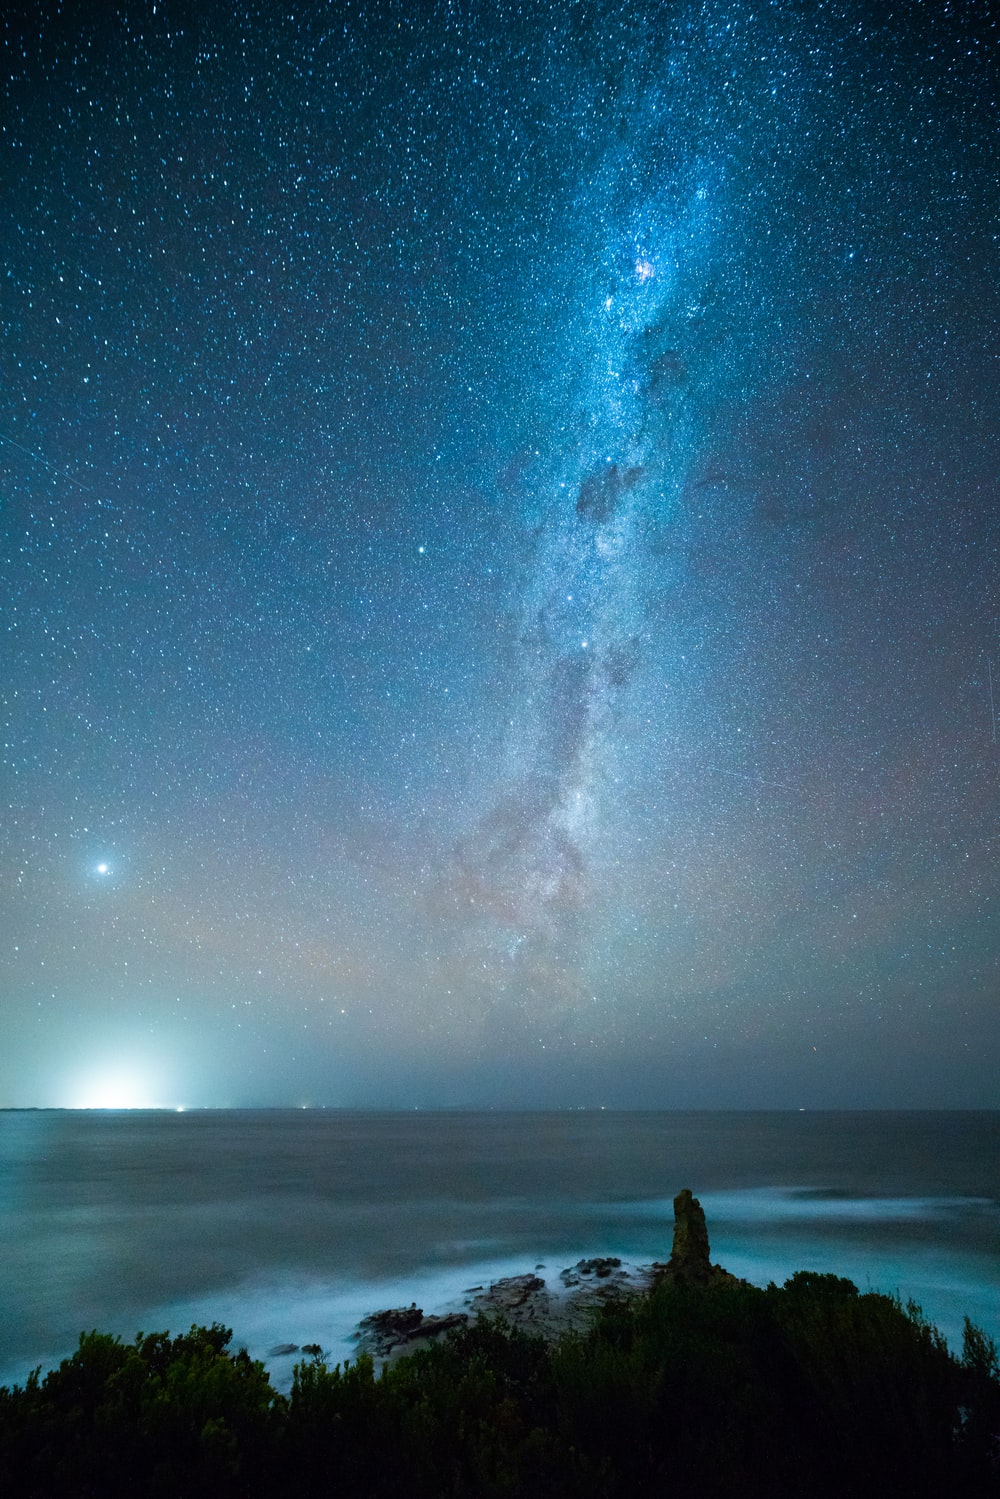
689 1258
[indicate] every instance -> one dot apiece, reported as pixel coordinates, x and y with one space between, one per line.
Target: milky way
500 555
615 473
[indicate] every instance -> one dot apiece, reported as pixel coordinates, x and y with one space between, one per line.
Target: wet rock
522 1300
596 1280
513 1291
382 1332
281 1349
601 1267
433 1327
379 1332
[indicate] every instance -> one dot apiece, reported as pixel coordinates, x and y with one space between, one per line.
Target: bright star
102 869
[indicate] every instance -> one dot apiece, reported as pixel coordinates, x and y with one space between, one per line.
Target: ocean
290 1225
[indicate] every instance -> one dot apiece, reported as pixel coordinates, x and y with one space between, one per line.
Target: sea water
289 1226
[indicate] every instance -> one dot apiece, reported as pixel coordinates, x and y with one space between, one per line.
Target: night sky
500 554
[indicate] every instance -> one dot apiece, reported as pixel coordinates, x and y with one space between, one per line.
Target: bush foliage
807 1389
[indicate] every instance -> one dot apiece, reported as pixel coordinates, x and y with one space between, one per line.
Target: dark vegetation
811 1389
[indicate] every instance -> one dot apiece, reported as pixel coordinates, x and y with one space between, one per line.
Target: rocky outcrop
522 1300
690 1258
513 1292
568 1303
382 1333
602 1268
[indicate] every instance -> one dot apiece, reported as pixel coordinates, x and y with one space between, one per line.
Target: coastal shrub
158 1416
679 1388
880 1382
812 1388
979 1412
338 1422
472 1415
725 1390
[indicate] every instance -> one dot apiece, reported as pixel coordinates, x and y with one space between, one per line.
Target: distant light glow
103 869
121 1087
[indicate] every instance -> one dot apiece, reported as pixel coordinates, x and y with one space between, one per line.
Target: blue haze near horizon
290 1226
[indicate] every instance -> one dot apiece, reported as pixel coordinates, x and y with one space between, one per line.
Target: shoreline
933 1248
547 1304
550 1306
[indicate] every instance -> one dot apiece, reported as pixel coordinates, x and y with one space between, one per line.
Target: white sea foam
266 1314
811 1204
